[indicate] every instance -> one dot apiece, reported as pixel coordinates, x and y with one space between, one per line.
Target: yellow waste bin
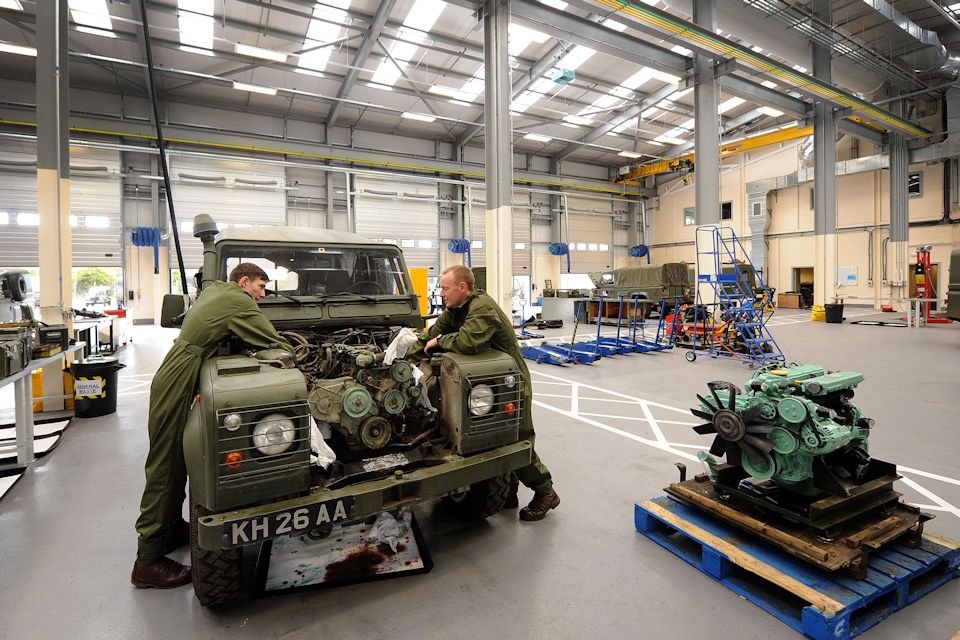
818 314
36 383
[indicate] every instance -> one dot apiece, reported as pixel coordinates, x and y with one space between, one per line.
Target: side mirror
173 310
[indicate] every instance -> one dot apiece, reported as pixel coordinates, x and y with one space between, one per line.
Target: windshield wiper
271 292
362 296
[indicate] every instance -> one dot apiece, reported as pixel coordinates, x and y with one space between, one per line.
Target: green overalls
223 309
478 324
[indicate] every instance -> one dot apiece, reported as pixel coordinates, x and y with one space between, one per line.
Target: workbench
23 405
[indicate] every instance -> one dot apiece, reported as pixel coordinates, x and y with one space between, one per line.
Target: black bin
95 386
833 313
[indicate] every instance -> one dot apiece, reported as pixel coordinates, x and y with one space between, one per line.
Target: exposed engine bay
366 404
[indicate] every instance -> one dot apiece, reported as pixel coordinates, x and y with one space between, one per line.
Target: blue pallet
817 603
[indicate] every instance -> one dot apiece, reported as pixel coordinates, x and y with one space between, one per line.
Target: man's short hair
461 274
249 270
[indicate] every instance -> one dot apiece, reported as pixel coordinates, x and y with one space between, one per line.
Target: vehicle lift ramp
724 290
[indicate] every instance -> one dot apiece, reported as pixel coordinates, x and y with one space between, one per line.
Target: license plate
299 520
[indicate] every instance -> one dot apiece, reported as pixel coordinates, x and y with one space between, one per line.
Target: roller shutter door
520 227
592 237
95 206
233 192
402 212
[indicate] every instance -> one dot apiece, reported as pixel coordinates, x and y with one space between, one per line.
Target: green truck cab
403 431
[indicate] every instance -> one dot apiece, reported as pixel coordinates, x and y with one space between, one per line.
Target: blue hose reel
639 251
561 249
149 237
461 245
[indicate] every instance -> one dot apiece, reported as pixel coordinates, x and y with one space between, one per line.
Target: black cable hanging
161 145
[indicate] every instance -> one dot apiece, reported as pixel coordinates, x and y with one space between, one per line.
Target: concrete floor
67 538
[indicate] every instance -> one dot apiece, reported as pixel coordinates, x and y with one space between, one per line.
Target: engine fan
739 434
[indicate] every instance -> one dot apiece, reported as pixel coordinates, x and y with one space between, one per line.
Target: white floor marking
674 447
637 418
946 506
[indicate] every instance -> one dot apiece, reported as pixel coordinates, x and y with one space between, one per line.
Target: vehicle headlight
481 400
510 381
274 434
232 421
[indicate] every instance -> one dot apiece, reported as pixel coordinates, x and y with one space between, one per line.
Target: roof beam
521 85
625 116
371 37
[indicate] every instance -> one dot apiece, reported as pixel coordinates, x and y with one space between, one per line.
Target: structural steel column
824 187
53 180
899 213
707 124
498 153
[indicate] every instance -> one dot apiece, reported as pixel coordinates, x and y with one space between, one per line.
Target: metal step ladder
738 307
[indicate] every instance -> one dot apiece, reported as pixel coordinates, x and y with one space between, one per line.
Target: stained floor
610 433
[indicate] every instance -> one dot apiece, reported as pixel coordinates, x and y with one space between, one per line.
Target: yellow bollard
818 314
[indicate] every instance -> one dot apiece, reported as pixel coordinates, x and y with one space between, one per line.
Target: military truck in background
647 283
953 293
403 431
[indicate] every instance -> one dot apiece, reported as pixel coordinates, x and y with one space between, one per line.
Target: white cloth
405 339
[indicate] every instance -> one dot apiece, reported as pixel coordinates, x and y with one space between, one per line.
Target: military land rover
643 287
403 430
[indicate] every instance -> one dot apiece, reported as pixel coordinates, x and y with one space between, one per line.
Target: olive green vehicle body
272 495
953 292
653 282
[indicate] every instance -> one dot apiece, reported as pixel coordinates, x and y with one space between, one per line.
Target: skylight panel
770 111
769 84
732 103
520 38
11 4
669 139
325 26
92 16
473 87
534 93
556 4
575 57
420 19
673 97
613 24
669 78
681 50
195 22
688 125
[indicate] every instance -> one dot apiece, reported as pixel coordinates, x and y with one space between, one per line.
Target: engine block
794 425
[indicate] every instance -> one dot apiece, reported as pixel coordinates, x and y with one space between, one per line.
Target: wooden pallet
814 602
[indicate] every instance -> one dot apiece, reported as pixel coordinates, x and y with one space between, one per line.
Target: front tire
216 574
482 499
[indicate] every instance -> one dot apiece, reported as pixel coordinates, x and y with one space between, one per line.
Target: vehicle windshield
323 271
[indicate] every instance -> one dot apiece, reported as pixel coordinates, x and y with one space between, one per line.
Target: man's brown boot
538 507
162 573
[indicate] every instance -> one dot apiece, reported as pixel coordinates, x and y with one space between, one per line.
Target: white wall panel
225 197
404 212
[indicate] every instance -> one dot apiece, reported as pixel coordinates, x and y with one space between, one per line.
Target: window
4 217
28 219
914 185
96 222
689 216
726 211
408 244
604 247
323 271
424 244
519 245
477 244
592 246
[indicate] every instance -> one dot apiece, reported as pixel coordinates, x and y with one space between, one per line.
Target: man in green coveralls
470 323
223 309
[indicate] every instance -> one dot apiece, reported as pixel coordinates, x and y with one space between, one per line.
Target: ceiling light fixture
536 137
450 92
630 154
417 116
578 120
17 49
257 52
254 88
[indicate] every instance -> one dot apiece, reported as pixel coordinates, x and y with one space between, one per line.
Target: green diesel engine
794 426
